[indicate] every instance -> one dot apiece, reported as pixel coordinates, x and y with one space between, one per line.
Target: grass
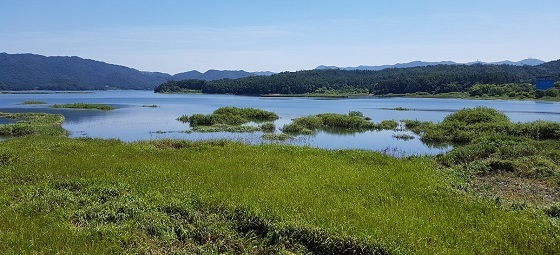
32 124
514 162
102 107
225 128
231 119
218 196
277 137
104 196
34 102
336 123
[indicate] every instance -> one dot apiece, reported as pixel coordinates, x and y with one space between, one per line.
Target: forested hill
431 79
36 72
30 71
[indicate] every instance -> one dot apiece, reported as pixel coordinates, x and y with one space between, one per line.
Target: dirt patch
537 192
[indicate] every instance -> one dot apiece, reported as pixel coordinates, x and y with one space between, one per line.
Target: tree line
429 79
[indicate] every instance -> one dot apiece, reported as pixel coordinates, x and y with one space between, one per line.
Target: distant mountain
30 71
211 75
36 72
529 61
263 73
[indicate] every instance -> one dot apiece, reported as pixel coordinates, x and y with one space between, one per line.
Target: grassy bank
104 196
515 162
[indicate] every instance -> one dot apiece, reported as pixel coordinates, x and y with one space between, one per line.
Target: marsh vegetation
218 196
352 122
231 119
102 107
496 157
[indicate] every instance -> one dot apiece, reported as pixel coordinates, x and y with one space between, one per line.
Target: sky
174 36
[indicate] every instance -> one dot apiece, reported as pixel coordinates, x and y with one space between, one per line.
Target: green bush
387 125
334 120
200 120
356 113
252 114
268 127
475 115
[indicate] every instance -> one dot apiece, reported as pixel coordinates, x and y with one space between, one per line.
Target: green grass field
61 195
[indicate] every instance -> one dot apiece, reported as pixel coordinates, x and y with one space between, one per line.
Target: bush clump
354 121
231 119
268 127
251 114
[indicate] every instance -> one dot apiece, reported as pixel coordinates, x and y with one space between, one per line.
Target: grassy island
96 196
352 122
231 119
102 107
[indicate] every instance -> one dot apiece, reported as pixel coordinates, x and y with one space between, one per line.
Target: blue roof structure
544 84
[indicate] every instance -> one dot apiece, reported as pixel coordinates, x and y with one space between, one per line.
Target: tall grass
334 122
105 196
32 124
519 160
230 119
61 195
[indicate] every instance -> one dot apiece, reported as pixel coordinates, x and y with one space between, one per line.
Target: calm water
132 122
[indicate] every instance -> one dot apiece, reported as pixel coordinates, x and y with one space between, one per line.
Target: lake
133 122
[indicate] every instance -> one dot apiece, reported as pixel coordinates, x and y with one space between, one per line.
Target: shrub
268 127
228 119
248 113
356 113
388 125
200 120
480 114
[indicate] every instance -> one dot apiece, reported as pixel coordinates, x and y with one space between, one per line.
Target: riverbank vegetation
102 107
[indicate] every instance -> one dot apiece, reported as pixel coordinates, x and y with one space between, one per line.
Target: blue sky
176 36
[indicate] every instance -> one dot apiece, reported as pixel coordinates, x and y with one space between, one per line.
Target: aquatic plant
277 137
